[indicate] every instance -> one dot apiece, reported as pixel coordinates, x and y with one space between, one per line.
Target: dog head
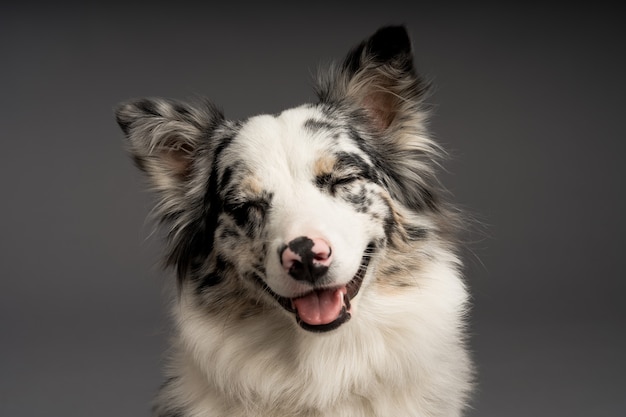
296 206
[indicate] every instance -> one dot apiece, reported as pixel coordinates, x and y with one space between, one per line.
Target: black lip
353 288
344 316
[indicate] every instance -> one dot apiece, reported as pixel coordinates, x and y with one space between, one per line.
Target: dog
317 261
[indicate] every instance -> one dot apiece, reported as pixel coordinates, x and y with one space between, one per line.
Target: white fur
399 356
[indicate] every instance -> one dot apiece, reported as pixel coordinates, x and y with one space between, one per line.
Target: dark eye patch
246 212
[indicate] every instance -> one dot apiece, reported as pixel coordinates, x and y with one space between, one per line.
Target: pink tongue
320 307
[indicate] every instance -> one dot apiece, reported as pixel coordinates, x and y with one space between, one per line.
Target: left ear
164 137
379 77
169 140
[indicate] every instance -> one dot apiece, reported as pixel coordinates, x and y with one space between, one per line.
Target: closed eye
332 182
244 212
337 182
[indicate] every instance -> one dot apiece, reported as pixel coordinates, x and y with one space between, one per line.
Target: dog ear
164 137
169 141
379 77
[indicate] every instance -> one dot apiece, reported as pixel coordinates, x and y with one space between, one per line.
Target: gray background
529 100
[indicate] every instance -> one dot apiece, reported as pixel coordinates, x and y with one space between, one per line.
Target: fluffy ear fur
378 81
164 136
169 141
378 75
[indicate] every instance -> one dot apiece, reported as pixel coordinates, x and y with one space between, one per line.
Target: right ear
164 139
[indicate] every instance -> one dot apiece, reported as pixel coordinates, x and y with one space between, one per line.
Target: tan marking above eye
252 185
324 165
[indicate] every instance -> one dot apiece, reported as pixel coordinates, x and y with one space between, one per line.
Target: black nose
306 259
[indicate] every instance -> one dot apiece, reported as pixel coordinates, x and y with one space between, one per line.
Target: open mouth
325 309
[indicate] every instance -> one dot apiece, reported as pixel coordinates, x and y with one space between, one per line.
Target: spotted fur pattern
355 171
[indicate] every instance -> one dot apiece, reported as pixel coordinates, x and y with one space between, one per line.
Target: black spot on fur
324 180
214 277
198 239
226 177
182 109
352 161
239 213
359 199
390 226
380 164
210 280
148 107
315 125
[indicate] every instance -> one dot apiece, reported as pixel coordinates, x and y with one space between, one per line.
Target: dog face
293 211
302 212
